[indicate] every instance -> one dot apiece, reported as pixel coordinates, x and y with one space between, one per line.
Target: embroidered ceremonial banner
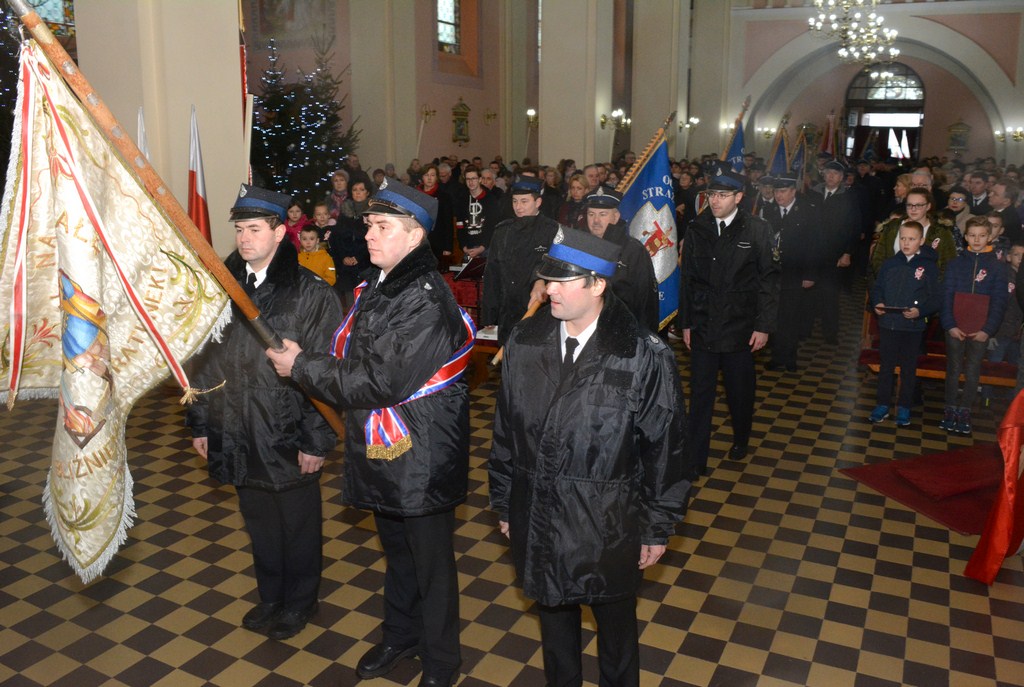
100 299
649 207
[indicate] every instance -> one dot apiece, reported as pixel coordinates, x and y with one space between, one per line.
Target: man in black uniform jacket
510 285
259 432
587 468
395 366
796 223
634 282
728 301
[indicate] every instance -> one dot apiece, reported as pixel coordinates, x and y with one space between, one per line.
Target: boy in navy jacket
905 292
976 271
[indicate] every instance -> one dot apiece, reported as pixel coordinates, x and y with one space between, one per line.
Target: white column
709 54
166 57
661 59
384 93
575 80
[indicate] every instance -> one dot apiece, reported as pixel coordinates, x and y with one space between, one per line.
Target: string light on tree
298 138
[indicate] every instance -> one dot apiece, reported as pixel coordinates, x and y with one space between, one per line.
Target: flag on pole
780 153
198 210
649 207
734 154
141 138
1004 528
100 299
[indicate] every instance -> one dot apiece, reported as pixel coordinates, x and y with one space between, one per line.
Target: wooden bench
932 363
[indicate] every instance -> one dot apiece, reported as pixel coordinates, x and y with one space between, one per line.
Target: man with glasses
729 297
476 215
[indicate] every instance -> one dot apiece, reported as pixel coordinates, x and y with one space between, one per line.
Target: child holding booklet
905 292
973 305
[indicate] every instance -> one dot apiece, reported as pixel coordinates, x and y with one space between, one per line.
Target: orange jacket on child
319 262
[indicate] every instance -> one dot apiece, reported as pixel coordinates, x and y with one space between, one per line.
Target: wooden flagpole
645 155
154 185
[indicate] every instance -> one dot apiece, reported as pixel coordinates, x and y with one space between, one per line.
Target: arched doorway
885 112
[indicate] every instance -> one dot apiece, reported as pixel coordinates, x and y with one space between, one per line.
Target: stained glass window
448 38
889 82
59 15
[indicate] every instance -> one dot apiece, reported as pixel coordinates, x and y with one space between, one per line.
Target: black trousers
897 348
739 380
421 591
286 528
830 281
618 646
792 321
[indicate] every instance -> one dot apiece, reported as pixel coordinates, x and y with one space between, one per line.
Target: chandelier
857 27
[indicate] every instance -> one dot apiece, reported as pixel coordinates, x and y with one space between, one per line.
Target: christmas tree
298 139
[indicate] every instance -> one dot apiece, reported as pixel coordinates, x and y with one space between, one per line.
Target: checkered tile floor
785 573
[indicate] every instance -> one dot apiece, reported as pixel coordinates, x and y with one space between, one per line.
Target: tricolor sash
387 437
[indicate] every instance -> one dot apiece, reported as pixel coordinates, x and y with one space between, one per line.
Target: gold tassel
191 394
374 452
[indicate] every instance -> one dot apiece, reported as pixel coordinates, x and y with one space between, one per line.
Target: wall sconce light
1018 134
691 123
489 117
427 113
766 132
531 118
617 119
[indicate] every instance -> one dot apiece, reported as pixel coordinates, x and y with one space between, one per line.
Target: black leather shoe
260 615
738 452
381 659
444 680
290 623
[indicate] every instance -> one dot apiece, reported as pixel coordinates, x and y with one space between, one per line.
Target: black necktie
567 361
828 194
784 211
721 227
250 284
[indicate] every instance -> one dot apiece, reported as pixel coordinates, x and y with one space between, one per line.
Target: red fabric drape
1004 530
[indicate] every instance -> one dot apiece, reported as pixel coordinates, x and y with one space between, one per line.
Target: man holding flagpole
396 366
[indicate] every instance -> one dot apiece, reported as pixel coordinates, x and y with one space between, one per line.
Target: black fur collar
413 266
283 268
616 333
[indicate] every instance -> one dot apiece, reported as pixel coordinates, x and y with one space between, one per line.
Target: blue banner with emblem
734 156
648 205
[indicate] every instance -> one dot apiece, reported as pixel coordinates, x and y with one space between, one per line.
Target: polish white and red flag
198 210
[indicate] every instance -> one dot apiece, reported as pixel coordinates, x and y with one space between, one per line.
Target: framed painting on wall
292 23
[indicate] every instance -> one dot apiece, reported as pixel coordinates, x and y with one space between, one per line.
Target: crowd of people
591 425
